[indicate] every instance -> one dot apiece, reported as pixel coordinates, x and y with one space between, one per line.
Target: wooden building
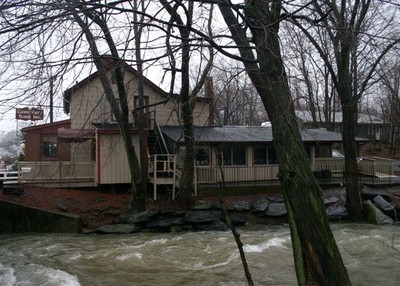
94 154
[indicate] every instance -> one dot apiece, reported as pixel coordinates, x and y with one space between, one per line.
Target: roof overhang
75 135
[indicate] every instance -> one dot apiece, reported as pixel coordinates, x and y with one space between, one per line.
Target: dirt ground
95 208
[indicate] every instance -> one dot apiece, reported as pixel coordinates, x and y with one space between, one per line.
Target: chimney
209 93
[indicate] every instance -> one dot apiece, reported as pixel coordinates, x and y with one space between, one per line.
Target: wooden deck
166 170
57 174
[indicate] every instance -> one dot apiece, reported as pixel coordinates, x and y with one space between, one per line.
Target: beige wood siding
82 151
113 163
89 105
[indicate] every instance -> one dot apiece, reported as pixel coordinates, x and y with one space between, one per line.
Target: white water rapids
371 255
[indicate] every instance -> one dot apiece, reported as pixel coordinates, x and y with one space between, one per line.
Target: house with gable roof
87 149
368 126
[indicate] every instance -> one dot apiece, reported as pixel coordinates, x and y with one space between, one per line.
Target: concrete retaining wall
18 218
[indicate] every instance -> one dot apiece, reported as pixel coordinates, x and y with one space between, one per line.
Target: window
145 103
371 130
49 149
234 156
118 104
264 156
144 109
202 156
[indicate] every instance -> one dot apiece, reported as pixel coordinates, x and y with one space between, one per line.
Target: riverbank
99 209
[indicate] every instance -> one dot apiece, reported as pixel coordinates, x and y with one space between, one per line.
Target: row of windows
236 156
231 156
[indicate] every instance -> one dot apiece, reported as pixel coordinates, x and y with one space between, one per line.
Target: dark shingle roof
305 116
248 134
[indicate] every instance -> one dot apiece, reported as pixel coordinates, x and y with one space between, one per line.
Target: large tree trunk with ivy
317 257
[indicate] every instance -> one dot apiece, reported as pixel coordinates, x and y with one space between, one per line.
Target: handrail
157 126
9 177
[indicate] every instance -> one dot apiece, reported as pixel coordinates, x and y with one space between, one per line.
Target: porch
57 174
372 170
167 169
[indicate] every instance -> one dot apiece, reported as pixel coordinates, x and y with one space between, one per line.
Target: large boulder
276 210
375 215
260 205
336 212
242 206
370 193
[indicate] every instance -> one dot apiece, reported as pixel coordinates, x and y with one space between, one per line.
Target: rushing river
371 254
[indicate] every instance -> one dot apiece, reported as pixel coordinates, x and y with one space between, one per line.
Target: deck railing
235 175
163 170
326 171
56 172
9 177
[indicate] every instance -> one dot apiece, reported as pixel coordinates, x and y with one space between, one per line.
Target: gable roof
305 116
109 63
249 134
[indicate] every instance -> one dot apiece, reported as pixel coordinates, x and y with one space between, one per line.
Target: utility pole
52 78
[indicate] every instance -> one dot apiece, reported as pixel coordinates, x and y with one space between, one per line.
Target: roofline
108 66
40 126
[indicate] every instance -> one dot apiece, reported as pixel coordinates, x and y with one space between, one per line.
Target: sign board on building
27 113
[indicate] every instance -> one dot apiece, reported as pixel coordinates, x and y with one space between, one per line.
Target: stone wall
19 218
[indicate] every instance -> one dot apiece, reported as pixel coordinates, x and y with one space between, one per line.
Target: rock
203 207
336 213
200 217
140 217
386 207
275 198
228 207
118 229
260 205
375 215
330 200
165 222
237 219
383 204
215 226
172 213
242 206
276 210
370 193
61 206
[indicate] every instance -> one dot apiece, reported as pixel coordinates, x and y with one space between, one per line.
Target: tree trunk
317 258
353 197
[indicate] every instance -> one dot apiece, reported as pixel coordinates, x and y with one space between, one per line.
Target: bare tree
317 258
237 101
389 101
309 78
355 29
187 96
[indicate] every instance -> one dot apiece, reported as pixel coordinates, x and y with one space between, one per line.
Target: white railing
56 172
9 177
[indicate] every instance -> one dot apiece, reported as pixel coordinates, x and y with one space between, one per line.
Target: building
87 149
368 126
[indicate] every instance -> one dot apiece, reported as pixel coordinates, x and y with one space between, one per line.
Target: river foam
33 274
273 242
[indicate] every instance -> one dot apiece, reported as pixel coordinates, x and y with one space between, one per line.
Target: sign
27 113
